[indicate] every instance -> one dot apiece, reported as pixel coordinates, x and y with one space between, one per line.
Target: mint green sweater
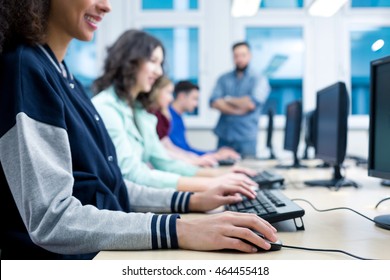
139 145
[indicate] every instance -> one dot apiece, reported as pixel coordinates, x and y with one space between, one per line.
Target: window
281 4
278 54
81 59
169 4
181 52
370 3
367 44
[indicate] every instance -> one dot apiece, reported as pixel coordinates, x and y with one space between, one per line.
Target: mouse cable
336 208
387 198
342 208
323 250
326 210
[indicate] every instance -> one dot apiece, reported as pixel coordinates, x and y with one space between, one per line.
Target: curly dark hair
23 21
123 61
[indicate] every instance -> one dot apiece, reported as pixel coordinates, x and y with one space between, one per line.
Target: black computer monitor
292 132
270 131
310 132
311 136
379 132
331 137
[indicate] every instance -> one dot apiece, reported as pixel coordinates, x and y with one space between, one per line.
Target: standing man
239 96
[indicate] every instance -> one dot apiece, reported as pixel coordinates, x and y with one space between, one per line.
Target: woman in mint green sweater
133 64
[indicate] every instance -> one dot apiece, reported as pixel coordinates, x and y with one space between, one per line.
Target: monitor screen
332 122
293 126
310 128
270 131
270 127
379 153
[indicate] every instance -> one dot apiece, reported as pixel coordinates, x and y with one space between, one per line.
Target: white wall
326 58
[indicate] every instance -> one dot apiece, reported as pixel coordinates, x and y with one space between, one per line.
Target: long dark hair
123 61
23 22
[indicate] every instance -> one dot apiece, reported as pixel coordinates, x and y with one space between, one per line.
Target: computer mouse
226 162
275 246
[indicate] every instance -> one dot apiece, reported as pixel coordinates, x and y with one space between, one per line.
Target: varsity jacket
61 191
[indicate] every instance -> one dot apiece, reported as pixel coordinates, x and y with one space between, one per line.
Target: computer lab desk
340 229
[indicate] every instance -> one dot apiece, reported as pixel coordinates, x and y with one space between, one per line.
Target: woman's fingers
239 178
243 190
244 170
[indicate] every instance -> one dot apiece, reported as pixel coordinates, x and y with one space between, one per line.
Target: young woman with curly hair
133 64
62 194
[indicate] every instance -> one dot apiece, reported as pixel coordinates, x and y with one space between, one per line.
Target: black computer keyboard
359 160
267 179
271 205
226 162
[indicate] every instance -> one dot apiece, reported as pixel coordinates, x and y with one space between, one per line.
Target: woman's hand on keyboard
235 179
205 161
224 231
244 170
218 196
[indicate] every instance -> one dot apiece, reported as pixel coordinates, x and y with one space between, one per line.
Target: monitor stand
306 153
323 165
296 164
270 157
271 153
337 181
385 183
383 221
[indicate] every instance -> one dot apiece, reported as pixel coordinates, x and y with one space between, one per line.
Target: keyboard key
270 205
267 179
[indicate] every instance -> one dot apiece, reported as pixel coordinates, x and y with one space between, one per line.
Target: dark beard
241 69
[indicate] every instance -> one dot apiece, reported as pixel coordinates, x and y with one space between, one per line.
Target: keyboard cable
332 209
327 210
387 198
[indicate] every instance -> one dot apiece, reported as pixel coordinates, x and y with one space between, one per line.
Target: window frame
141 19
355 18
213 20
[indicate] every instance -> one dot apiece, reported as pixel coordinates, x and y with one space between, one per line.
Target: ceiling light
377 45
245 8
325 8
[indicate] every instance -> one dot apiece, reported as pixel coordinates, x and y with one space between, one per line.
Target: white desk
342 229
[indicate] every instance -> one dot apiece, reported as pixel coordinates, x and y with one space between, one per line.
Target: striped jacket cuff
180 202
164 235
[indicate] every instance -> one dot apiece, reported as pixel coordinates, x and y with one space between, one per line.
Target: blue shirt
234 128
177 133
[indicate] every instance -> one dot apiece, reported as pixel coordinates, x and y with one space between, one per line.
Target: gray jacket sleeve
143 199
36 160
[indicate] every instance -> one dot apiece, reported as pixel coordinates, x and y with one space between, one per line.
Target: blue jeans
244 148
